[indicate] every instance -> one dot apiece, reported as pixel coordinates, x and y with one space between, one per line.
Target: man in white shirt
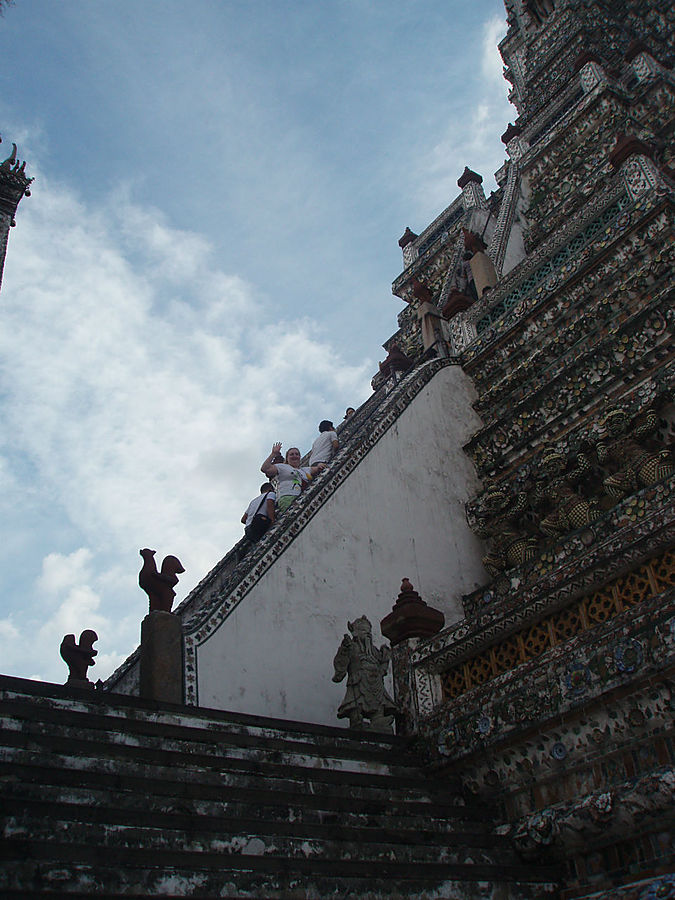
260 513
324 447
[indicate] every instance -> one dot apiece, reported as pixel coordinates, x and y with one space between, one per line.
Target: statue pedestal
161 664
82 683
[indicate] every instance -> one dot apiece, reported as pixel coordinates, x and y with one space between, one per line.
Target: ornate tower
14 184
555 295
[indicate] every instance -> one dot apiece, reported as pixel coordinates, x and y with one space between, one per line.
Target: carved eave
434 253
511 132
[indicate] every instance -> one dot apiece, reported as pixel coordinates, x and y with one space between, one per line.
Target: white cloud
492 65
8 631
143 394
63 572
473 134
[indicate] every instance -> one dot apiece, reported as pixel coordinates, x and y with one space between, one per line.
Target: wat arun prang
554 696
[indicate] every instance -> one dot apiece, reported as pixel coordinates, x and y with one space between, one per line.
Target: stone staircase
111 796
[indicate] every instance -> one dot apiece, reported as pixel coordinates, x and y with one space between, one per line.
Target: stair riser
112 867
216 727
178 774
118 751
202 743
61 830
131 803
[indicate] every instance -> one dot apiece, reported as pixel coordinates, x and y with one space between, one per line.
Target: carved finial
6 166
13 177
411 617
511 132
407 238
421 292
628 145
408 592
78 657
468 176
159 586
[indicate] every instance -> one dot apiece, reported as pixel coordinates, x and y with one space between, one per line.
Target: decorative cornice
628 533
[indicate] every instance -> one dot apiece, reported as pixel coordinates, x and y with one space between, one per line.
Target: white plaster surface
515 247
400 513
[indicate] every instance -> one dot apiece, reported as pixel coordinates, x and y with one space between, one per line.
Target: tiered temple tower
554 693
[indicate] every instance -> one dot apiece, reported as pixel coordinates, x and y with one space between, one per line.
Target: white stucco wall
399 513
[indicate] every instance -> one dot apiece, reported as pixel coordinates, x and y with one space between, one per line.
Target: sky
204 267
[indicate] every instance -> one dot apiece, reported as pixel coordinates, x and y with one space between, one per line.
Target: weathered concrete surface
399 513
118 797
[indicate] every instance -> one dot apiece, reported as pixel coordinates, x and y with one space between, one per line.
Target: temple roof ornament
585 57
628 145
14 183
468 176
411 617
511 132
635 48
457 302
407 238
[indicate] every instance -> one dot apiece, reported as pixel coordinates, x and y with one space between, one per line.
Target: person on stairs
325 446
260 513
291 478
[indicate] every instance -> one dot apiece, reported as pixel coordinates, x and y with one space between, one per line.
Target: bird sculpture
78 657
159 586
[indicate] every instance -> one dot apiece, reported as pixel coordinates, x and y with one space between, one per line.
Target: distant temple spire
14 184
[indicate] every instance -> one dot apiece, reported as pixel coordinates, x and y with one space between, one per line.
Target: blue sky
204 267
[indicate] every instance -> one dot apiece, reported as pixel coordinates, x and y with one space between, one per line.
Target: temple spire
14 184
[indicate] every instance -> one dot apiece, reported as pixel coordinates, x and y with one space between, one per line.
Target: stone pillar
632 158
433 333
516 146
406 243
161 665
483 271
643 63
410 619
471 184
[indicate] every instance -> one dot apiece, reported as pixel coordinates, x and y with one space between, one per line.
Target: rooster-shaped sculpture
78 657
159 586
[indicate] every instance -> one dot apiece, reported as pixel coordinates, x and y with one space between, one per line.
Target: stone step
141 715
70 788
293 781
233 799
23 809
58 827
120 872
133 799
84 742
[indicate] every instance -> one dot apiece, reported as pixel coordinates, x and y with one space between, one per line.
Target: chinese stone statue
365 666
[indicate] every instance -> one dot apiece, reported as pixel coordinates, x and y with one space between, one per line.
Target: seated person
324 447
